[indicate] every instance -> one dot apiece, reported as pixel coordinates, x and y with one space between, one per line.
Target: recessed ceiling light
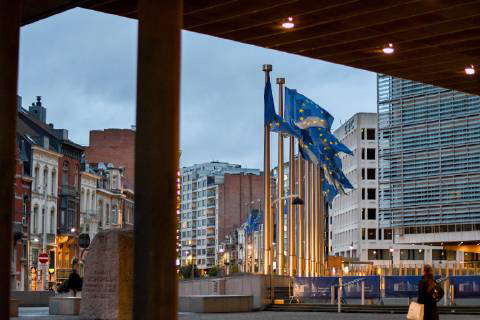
289 23
388 49
470 70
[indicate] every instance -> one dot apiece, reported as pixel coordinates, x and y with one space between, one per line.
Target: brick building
236 196
21 230
215 198
114 146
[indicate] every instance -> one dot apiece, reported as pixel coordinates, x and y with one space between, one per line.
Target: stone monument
108 280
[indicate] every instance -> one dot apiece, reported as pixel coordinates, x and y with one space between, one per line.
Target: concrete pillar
156 158
9 42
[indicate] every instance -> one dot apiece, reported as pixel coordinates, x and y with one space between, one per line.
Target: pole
315 221
339 301
292 216
300 216
321 213
157 141
267 215
9 33
307 219
363 293
280 186
311 200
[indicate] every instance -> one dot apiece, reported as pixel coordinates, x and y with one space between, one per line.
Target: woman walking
429 293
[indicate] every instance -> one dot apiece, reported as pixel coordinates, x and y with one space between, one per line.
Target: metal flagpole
267 218
300 214
291 212
280 186
307 219
321 213
311 213
315 221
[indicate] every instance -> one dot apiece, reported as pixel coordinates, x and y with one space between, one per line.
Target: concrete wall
32 298
248 284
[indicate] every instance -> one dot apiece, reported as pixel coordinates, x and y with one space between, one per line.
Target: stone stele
108 281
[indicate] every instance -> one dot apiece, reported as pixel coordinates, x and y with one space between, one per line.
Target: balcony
69 190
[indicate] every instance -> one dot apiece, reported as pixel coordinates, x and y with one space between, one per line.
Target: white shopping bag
415 311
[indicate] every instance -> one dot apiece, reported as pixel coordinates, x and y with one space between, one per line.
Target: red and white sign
43 257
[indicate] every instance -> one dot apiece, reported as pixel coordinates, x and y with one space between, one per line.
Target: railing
69 190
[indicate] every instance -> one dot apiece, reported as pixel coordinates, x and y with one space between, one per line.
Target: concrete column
156 158
9 42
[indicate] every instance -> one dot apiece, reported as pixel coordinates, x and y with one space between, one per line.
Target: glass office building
429 161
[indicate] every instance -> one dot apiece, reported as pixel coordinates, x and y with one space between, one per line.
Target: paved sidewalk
42 314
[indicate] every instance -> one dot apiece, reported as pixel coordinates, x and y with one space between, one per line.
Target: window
35 219
387 234
372 213
37 177
54 179
363 153
52 221
370 154
65 173
411 254
45 179
371 193
379 254
363 173
362 133
363 213
363 193
43 229
363 233
372 234
371 174
439 254
370 134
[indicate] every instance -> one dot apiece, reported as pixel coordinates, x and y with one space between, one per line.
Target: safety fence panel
401 286
354 291
314 287
466 286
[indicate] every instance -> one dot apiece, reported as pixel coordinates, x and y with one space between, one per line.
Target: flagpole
267 218
280 186
311 212
315 221
321 212
300 214
307 219
291 212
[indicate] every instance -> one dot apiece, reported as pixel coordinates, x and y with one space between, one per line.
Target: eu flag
273 120
322 137
330 191
304 112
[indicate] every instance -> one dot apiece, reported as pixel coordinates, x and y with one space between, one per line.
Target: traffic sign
43 257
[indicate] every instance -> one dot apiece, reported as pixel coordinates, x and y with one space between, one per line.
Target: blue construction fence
394 286
320 287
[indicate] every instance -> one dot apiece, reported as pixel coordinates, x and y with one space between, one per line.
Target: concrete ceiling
434 40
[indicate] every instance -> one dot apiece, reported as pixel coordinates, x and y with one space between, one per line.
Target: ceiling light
288 24
470 70
388 49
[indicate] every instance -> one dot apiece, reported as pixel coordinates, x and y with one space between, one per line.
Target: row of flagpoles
315 176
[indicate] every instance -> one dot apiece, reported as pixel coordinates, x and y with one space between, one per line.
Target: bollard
363 293
445 290
452 295
339 301
332 295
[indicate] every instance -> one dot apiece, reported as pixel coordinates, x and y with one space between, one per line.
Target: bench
66 306
216 303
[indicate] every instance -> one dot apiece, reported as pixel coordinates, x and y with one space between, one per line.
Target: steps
366 309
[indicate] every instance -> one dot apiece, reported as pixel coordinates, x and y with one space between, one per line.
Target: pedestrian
74 282
429 293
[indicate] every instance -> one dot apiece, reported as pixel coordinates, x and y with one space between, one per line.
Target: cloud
84 64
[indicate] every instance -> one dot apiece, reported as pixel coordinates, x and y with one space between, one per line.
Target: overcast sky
83 64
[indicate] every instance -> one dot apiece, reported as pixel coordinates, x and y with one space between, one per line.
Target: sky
83 64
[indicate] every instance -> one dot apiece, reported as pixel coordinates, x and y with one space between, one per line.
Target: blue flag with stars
326 140
273 120
304 112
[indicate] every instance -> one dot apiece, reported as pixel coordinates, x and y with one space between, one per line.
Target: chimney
38 111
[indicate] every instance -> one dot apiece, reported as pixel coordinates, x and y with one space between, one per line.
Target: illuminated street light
73 230
35 240
470 70
388 49
288 24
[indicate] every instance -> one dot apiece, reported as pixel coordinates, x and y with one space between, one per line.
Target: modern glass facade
429 157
